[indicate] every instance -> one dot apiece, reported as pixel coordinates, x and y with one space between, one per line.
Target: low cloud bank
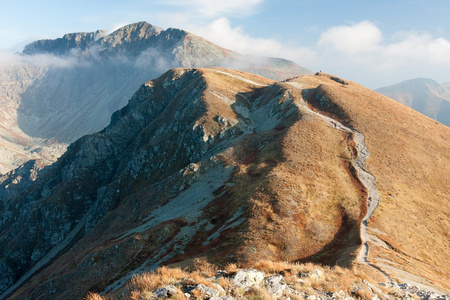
9 58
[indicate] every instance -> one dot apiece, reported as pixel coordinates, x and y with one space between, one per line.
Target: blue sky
374 43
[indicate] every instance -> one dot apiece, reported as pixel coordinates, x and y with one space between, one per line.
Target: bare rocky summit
232 167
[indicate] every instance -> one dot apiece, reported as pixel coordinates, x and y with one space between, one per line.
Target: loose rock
247 278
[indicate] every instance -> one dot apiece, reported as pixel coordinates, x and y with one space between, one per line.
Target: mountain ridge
233 167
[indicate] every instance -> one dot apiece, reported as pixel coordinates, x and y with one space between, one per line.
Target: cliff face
232 167
70 86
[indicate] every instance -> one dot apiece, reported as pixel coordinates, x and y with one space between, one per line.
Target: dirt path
367 179
238 77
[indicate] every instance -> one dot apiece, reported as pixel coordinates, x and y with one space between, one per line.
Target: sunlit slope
409 156
233 167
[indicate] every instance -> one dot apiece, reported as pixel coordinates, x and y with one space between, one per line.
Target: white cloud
361 53
361 37
358 52
415 48
8 58
223 34
363 42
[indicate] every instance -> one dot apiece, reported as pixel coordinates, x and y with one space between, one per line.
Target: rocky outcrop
245 279
293 286
19 179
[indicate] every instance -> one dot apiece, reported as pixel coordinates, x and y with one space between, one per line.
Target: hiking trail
358 161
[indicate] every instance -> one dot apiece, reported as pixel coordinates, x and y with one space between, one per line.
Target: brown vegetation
292 192
303 278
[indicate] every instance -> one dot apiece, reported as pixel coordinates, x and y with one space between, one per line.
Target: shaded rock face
61 221
18 179
424 95
74 83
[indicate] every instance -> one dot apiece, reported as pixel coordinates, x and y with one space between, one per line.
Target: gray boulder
247 278
221 298
208 291
275 285
165 292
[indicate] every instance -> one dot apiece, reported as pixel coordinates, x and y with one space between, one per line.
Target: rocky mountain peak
56 104
130 33
68 44
134 38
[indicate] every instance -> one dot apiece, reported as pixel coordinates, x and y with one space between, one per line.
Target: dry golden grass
203 266
143 285
197 294
93 296
299 210
409 156
258 293
333 278
151 281
273 267
363 293
315 279
231 268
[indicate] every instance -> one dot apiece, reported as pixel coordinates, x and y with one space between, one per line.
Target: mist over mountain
424 95
69 87
233 167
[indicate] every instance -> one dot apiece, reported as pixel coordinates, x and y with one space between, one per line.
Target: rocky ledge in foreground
269 281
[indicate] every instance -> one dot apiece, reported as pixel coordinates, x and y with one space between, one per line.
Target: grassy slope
299 199
409 156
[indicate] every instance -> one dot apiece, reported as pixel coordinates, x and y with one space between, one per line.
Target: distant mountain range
424 95
71 85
